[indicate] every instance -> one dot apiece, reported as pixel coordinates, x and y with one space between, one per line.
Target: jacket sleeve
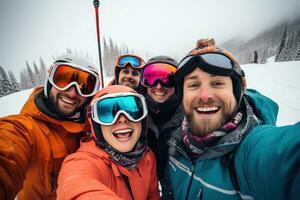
79 179
15 148
270 160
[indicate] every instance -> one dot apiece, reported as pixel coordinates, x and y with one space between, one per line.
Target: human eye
125 71
218 83
135 73
193 85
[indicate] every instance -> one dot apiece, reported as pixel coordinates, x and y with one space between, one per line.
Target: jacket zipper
127 183
200 195
191 180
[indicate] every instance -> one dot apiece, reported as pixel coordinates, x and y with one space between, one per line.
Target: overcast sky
33 28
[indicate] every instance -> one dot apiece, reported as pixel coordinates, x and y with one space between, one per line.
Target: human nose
158 85
205 93
122 119
129 75
72 91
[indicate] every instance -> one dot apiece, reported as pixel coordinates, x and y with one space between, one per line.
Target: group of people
159 130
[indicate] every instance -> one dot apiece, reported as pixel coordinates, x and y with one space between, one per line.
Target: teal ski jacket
266 160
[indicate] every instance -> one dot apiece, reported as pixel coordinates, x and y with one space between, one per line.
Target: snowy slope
279 81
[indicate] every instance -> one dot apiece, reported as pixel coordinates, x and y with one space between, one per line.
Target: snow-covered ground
279 81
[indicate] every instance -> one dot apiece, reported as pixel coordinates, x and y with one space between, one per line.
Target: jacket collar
30 108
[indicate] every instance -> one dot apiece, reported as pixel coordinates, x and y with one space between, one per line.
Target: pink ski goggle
158 72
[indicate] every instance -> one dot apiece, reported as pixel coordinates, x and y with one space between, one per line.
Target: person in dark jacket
34 143
164 108
127 72
228 146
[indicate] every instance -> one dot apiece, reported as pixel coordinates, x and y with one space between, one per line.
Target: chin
125 150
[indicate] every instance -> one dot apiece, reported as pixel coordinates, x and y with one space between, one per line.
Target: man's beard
205 126
53 102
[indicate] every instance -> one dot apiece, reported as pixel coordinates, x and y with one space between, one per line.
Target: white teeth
207 109
159 93
67 100
123 131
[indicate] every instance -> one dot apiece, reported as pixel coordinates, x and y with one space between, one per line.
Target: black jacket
158 136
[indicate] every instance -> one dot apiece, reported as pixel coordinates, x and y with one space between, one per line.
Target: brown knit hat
207 46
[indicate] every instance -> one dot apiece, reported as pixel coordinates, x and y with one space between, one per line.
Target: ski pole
96 5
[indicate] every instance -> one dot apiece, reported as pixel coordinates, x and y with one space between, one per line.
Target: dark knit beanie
206 46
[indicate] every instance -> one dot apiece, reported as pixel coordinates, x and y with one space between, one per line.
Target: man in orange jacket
34 143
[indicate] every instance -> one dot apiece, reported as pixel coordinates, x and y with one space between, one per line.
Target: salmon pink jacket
91 174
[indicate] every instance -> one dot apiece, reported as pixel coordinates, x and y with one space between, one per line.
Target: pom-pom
202 43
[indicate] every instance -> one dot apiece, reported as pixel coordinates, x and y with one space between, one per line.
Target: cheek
187 99
149 90
121 75
137 78
82 100
229 96
186 103
171 91
106 132
138 129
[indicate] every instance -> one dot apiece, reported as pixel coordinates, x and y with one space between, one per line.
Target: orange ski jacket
91 174
32 148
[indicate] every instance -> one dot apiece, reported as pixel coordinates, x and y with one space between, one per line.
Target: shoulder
269 150
178 115
148 161
18 122
87 159
265 108
149 156
271 141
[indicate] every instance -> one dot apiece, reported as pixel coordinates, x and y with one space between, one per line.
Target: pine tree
24 80
264 55
1 89
255 57
15 86
30 75
69 51
106 59
6 86
43 71
296 46
36 75
111 52
287 54
297 57
282 45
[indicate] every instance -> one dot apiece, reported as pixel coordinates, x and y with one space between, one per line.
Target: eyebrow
196 76
192 77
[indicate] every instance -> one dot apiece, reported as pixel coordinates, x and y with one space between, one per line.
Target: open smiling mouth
67 100
159 93
207 110
123 134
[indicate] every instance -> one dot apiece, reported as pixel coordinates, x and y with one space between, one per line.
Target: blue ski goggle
135 61
107 109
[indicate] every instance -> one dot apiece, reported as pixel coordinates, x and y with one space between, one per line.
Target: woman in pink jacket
115 162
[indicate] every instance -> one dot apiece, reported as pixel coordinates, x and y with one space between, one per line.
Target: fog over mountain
32 29
266 43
